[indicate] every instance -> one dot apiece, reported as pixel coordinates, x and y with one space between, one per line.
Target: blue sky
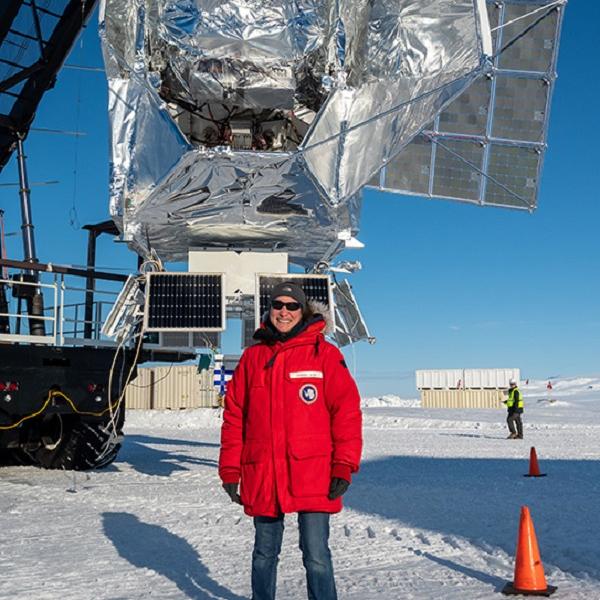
444 285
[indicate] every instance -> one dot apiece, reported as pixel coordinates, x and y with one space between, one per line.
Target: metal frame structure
55 336
34 42
440 138
71 322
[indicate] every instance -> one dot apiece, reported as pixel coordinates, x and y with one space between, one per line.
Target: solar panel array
184 302
488 146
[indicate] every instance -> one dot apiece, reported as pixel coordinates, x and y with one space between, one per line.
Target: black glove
337 488
232 491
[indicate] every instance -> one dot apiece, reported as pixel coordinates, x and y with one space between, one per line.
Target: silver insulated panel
350 326
251 124
487 147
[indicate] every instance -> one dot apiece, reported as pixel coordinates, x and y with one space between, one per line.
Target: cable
525 31
73 216
59 394
110 377
135 385
122 387
113 433
111 430
31 416
51 395
529 14
152 264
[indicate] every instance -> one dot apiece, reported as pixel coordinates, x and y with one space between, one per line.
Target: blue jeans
314 537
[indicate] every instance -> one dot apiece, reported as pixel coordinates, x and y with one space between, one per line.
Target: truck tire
13 458
84 445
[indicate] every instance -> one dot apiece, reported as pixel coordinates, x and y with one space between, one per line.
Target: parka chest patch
308 393
305 374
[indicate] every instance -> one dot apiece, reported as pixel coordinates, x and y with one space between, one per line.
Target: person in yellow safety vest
514 403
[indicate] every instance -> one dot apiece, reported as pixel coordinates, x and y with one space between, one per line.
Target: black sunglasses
291 306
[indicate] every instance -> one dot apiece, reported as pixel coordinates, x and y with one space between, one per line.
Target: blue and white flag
220 378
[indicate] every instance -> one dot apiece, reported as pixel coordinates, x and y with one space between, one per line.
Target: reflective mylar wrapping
256 123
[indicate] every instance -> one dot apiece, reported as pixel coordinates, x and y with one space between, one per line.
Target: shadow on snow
480 500
138 452
154 547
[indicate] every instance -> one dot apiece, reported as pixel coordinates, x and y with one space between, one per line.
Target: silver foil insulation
253 124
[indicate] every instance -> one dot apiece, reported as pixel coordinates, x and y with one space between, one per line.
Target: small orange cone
534 467
529 571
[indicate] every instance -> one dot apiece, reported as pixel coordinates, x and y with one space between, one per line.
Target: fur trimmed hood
319 308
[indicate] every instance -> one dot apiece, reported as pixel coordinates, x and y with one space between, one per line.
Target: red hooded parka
292 421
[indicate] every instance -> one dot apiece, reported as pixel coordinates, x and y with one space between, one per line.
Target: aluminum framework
488 146
244 125
35 38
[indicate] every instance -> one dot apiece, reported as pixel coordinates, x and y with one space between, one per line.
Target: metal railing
63 313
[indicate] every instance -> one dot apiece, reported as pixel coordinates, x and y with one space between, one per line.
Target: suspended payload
255 125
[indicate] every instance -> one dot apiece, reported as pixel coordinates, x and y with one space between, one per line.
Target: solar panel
535 51
513 167
452 178
316 287
184 302
488 146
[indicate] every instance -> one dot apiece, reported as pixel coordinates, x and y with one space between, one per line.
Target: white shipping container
452 379
439 379
490 378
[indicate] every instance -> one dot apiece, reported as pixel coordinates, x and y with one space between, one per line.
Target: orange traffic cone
529 571
534 467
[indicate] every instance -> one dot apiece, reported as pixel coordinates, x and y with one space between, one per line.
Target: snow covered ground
432 514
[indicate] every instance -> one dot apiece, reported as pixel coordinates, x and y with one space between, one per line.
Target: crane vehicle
61 382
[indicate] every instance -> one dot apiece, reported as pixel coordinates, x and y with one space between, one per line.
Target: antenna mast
35 300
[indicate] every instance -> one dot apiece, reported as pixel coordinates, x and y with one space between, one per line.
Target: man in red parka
292 436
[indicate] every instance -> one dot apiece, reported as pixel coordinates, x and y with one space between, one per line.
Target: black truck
62 383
